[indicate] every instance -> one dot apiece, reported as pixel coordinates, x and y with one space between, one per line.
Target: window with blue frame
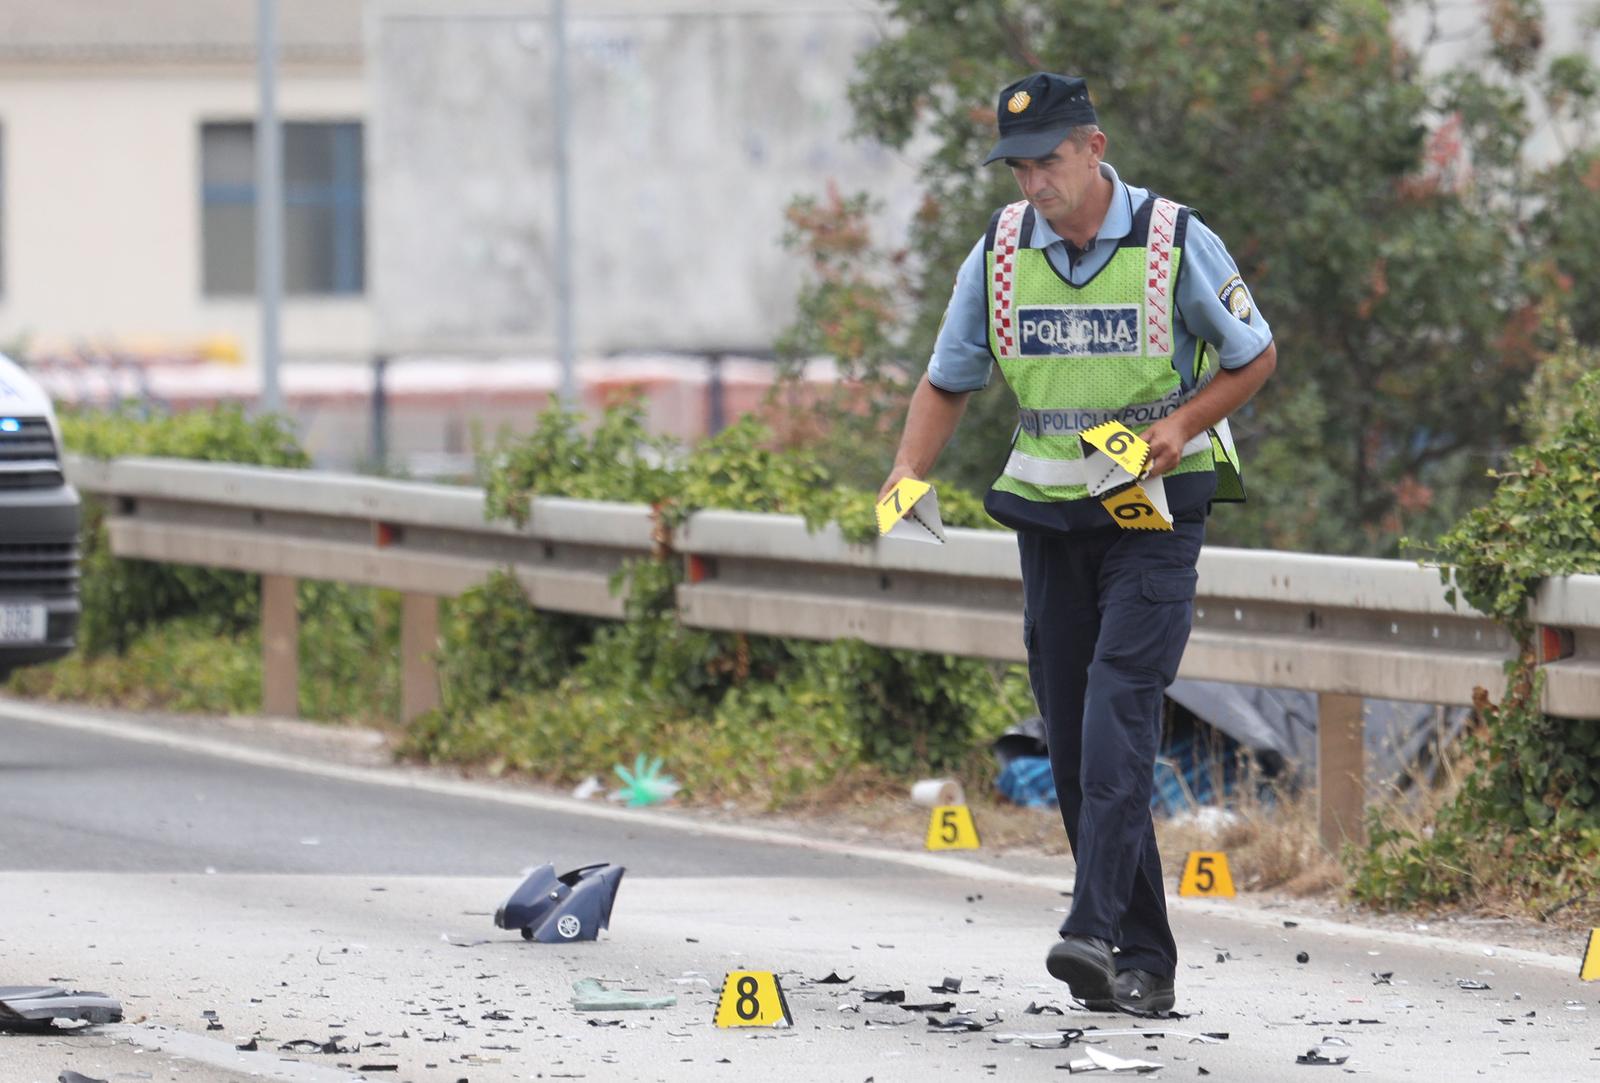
324 230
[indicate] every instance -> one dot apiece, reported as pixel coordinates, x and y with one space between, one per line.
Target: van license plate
21 623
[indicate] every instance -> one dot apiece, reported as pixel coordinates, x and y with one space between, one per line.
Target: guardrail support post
1341 769
280 646
419 646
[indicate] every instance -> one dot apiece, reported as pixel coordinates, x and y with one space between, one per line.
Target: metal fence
1342 627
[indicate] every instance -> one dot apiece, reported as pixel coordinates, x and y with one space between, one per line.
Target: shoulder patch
1235 298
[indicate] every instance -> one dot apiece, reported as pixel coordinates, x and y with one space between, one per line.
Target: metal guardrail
1342 627
1346 625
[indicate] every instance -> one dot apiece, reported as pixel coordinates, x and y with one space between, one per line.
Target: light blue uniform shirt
1208 284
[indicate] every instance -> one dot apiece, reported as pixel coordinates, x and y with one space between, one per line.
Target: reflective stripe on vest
1066 420
1007 236
1037 471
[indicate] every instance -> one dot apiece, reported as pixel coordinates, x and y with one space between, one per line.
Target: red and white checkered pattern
1007 235
1157 279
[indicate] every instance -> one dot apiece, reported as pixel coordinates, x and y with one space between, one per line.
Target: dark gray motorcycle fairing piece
558 909
35 1007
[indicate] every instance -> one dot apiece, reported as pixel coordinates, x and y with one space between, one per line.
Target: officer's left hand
1166 439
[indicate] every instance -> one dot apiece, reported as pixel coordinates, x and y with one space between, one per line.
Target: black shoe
1140 992
1084 963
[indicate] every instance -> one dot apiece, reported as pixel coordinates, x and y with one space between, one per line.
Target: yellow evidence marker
1116 459
911 511
1590 970
753 998
951 828
1206 874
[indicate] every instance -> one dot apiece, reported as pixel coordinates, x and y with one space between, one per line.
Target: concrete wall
693 126
102 205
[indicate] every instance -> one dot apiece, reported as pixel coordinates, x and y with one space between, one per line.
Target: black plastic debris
212 1022
378 1068
931 1006
69 1076
556 909
955 1023
949 985
1291 925
1303 957
883 996
248 1047
1383 978
1035 1008
312 1045
1471 984
833 978
605 1022
1327 1053
36 1007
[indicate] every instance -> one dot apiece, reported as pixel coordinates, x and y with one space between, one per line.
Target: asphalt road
302 898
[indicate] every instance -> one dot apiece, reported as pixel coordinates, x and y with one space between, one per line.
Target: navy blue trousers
1105 620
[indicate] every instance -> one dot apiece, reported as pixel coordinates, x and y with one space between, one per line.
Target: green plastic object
588 995
645 784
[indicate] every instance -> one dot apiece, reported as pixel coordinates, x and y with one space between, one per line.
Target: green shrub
731 713
1526 822
349 664
493 645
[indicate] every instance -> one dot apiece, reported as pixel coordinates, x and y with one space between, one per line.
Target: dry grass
1271 844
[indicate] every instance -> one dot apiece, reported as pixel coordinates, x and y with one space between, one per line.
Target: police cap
1037 112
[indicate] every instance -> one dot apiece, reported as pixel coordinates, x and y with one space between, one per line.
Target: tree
1386 222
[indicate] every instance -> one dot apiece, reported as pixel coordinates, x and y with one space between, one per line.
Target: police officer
1100 301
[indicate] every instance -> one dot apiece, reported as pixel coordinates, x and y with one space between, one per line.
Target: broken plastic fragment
588 995
1035 1008
588 788
1054 1039
69 1076
883 996
1470 983
931 1006
1303 957
833 978
36 1007
1097 1060
949 985
1326 1053
645 784
555 909
955 1023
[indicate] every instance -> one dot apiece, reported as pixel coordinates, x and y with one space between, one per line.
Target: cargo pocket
1170 595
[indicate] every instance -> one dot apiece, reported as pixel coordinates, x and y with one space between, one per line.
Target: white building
127 177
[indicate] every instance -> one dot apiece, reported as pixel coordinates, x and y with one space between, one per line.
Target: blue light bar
10 424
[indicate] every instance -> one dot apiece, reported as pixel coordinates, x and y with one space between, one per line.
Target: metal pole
380 414
269 202
563 245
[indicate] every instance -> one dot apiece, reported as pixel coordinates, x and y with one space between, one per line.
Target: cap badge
1019 101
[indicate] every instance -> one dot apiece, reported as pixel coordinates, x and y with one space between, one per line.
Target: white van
40 517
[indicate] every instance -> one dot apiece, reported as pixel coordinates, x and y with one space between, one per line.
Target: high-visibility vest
1078 356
